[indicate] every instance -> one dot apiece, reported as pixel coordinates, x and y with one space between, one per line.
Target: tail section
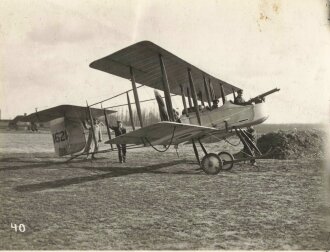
68 136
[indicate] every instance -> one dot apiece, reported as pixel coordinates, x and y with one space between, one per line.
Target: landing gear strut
196 152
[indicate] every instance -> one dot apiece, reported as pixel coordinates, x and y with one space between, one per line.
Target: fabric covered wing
143 57
161 134
68 111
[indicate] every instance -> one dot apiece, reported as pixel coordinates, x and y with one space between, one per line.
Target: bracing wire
112 97
166 147
220 139
232 143
122 105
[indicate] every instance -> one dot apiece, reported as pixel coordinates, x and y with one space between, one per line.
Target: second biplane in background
150 65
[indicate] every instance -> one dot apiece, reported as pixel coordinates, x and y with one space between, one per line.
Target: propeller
161 105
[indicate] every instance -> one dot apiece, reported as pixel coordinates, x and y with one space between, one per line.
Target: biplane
201 121
150 65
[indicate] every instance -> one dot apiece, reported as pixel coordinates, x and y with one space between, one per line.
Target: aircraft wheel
225 156
211 164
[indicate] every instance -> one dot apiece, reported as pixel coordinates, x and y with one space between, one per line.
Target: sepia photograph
165 125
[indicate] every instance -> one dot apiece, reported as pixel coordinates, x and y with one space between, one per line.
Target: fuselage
228 116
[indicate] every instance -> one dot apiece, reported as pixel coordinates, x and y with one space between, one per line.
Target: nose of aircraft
260 113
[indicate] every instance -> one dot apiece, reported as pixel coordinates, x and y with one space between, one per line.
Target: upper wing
68 111
144 58
161 134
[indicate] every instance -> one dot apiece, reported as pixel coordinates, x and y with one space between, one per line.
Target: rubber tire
226 156
205 161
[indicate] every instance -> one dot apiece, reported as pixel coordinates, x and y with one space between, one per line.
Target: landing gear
211 164
227 160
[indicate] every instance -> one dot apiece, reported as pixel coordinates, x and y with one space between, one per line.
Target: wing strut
212 90
196 151
130 111
107 125
207 92
92 126
189 98
200 96
193 91
167 91
136 97
184 101
234 94
222 94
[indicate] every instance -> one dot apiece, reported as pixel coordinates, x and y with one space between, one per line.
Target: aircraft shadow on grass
33 165
111 173
36 164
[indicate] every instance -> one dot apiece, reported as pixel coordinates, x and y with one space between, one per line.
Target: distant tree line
149 116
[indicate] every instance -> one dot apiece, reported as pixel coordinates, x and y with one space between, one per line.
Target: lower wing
164 133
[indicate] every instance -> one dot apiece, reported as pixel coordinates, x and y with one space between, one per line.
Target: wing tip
94 64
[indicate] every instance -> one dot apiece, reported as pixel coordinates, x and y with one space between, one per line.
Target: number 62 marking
60 136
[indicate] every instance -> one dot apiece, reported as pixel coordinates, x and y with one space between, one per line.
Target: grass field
157 201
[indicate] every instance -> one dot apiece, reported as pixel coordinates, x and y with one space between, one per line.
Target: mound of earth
293 144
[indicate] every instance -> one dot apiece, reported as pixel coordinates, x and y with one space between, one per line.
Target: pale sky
46 47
